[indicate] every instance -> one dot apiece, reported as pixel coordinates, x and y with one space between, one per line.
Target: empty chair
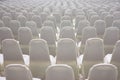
79 18
43 16
109 20
59 72
29 16
5 33
6 20
100 26
116 23
81 25
65 23
12 52
87 32
66 53
111 36
115 57
22 19
2 23
38 20
93 54
24 37
52 18
93 19
33 26
57 17
39 57
14 26
103 72
104 14
50 24
67 32
48 34
116 15
19 72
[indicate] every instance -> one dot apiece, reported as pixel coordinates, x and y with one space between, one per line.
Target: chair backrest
109 20
48 34
24 35
14 26
93 19
116 23
17 71
5 33
115 54
100 26
6 20
65 23
79 18
81 25
39 50
94 50
33 26
22 19
12 52
49 23
66 50
111 32
43 16
2 23
88 32
59 72
39 57
68 32
116 15
57 17
66 18
103 72
38 20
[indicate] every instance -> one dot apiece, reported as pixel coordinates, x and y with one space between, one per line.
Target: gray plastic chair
111 32
39 57
93 54
48 34
103 72
66 53
59 72
19 72
24 37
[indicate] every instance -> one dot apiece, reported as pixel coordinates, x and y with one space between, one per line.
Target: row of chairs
69 31
61 72
47 33
67 53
